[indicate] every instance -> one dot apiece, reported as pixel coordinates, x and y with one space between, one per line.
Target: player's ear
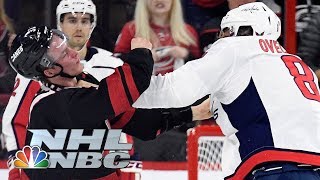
51 72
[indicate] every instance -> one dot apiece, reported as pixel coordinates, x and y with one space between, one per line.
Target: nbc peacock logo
31 158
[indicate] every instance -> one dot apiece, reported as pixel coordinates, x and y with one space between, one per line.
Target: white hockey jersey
271 99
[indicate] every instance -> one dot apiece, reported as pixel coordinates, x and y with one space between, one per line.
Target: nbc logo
31 158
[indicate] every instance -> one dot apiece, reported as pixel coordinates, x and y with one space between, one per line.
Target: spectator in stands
161 22
309 45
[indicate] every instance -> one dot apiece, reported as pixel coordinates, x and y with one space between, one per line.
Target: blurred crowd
180 31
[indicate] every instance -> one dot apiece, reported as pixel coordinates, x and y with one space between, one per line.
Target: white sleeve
178 89
12 108
102 64
191 82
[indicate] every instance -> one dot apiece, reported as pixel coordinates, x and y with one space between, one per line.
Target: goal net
204 153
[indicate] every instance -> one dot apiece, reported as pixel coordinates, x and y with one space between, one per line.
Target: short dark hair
245 31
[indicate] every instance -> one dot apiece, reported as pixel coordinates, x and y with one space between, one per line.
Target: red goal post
290 37
204 150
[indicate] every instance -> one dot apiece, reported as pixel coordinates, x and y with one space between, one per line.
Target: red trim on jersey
272 156
21 118
125 118
117 94
131 84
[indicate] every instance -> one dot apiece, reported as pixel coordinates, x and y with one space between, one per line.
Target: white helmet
74 6
260 17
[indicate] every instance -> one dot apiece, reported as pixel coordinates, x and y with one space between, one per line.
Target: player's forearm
145 123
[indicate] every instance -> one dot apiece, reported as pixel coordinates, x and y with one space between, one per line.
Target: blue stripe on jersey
248 115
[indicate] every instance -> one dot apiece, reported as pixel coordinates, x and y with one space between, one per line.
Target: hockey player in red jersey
77 19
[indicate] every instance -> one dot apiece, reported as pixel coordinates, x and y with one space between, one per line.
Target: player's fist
201 111
139 42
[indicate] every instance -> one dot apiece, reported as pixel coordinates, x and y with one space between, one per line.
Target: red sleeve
121 88
122 95
21 118
124 39
134 79
194 49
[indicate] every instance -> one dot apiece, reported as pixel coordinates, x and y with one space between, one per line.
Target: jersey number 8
303 78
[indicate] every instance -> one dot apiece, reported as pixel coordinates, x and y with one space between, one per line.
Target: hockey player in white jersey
271 97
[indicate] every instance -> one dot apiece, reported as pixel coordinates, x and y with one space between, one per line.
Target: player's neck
83 52
62 81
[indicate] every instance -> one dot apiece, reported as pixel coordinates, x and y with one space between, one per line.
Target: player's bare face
77 26
65 56
158 7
